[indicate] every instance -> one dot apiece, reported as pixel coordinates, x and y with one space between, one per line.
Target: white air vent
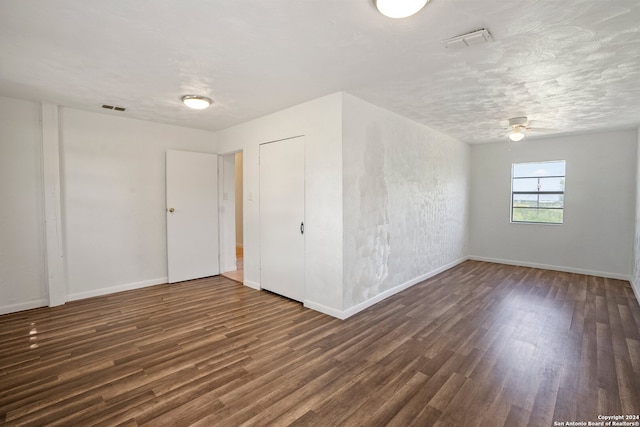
111 107
469 39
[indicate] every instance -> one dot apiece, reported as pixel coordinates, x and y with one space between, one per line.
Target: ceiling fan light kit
518 126
399 8
516 135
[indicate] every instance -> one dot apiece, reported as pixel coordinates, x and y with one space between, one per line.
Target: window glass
537 192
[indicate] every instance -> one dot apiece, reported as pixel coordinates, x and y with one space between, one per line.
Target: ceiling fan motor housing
518 121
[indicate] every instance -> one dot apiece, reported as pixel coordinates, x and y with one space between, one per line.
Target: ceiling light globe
516 135
196 102
399 8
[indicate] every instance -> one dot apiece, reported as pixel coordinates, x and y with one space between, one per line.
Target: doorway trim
227 214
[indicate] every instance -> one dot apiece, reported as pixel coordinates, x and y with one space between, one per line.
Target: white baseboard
117 288
344 314
324 309
552 267
13 308
636 289
253 285
389 292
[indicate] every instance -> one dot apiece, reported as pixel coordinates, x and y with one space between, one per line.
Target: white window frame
538 193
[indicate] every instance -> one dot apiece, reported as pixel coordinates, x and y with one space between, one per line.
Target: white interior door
192 215
282 217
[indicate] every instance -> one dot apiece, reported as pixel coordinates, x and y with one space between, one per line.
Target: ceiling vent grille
111 107
469 39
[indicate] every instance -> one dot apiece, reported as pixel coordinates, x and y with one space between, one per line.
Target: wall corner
54 238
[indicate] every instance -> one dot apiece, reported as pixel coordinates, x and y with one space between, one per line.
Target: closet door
282 217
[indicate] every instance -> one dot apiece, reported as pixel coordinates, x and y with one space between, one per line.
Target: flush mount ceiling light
399 8
196 102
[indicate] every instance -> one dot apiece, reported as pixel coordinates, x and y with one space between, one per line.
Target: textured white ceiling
570 65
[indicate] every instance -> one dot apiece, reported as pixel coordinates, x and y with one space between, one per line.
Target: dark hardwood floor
480 344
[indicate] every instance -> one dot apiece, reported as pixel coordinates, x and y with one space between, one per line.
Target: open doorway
232 240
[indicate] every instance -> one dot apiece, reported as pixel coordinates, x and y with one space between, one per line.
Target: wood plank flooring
480 344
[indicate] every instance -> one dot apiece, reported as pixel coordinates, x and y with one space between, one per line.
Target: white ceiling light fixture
399 8
516 135
518 126
196 102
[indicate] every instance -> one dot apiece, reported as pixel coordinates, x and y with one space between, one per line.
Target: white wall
405 202
320 122
386 201
597 234
22 252
113 178
635 277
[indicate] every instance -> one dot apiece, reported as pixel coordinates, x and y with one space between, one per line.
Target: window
537 192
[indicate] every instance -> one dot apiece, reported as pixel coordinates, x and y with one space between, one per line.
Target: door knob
171 209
